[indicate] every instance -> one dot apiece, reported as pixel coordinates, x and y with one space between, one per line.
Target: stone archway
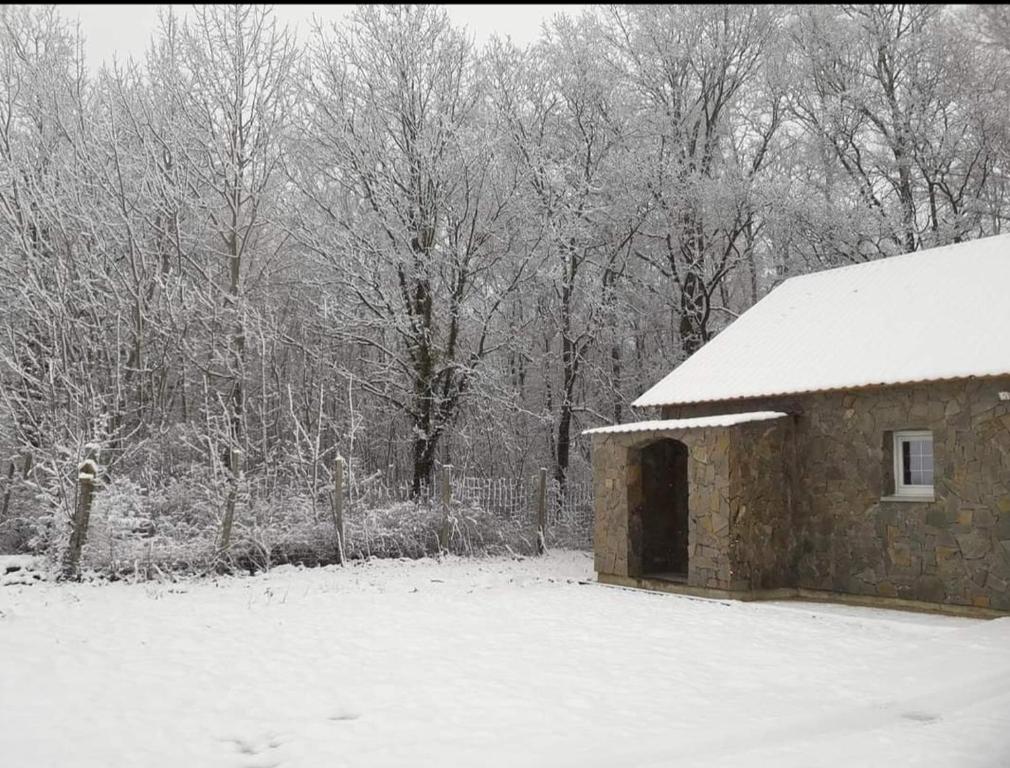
658 507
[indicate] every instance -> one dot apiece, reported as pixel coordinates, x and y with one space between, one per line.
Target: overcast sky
125 30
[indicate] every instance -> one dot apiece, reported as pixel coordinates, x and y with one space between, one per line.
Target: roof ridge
906 255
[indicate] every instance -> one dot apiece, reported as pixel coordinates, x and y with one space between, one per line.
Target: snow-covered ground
484 663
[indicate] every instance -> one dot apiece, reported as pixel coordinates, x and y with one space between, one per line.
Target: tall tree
229 80
694 69
415 209
53 295
894 99
568 127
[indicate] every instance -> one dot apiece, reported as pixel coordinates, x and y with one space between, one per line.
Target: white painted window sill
920 499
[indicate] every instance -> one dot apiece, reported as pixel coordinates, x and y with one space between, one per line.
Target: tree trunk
693 330
8 488
615 378
237 351
564 442
569 372
424 463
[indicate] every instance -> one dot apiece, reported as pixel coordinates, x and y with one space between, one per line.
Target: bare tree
894 99
415 206
568 127
691 67
231 85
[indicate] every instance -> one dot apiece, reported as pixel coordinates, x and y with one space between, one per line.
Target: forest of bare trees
381 240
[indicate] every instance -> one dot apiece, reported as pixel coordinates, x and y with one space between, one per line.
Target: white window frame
910 491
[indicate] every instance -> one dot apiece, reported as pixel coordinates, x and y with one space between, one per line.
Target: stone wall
709 510
848 537
764 529
738 505
613 473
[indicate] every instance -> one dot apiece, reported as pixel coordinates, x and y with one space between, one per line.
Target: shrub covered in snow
149 517
134 530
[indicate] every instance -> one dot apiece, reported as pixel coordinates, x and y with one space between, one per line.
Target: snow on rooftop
727 420
941 313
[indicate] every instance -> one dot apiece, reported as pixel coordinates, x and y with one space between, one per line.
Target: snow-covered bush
133 529
150 532
408 530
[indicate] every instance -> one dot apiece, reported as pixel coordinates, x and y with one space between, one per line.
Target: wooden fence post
443 533
8 487
338 505
87 472
235 470
542 511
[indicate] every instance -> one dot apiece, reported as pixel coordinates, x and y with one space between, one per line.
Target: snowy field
485 663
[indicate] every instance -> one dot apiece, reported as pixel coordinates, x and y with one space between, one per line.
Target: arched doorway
661 510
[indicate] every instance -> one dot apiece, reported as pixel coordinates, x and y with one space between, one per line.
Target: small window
913 463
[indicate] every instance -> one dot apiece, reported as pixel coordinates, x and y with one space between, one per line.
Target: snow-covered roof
661 425
942 313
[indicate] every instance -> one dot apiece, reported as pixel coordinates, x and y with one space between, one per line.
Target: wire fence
511 499
180 525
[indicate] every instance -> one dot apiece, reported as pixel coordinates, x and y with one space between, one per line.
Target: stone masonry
737 478
804 503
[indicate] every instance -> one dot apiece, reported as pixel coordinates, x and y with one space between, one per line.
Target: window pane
916 461
927 462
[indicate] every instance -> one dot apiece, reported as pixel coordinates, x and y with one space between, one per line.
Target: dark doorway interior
664 509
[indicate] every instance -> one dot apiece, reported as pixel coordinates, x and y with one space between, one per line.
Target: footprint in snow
920 717
251 749
345 716
244 747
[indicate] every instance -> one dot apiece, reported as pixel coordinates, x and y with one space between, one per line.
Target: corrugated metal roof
661 425
942 313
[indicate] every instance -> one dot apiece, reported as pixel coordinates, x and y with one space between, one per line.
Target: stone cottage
848 437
